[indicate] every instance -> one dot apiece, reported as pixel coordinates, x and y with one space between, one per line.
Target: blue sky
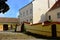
14 5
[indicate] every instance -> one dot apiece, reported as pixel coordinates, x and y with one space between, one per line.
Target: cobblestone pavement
17 36
14 36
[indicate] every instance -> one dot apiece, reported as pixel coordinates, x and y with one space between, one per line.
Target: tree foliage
3 6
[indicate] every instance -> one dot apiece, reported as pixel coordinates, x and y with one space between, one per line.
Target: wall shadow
40 36
43 18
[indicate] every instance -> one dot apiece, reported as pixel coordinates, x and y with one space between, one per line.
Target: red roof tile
11 20
56 5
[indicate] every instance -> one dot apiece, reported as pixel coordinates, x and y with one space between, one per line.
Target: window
30 20
27 12
49 17
23 13
20 13
27 20
58 15
30 10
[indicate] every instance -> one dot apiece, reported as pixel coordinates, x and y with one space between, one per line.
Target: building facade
26 13
54 13
8 23
35 11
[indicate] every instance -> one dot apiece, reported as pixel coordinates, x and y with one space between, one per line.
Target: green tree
3 6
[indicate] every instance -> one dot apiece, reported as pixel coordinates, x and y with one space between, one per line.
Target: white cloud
2 15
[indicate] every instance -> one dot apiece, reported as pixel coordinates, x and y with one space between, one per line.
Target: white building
35 11
54 13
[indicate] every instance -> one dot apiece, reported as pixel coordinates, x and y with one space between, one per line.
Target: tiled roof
56 5
9 20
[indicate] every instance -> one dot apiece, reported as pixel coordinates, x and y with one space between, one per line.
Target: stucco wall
1 27
40 7
25 16
9 25
53 14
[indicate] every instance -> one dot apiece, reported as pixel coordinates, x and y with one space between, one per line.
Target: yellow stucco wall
9 25
1 27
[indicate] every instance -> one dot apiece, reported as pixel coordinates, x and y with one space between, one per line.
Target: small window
20 13
23 13
30 20
27 12
58 15
30 10
27 20
49 17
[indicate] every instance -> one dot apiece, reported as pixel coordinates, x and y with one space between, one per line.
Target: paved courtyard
14 36
17 36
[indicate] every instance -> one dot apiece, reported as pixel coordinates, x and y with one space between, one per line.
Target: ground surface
14 36
18 36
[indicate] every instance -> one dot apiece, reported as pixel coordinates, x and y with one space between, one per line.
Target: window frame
58 15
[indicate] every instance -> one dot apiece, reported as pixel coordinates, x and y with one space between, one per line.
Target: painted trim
46 24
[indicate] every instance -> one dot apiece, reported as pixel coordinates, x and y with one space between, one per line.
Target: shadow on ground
41 36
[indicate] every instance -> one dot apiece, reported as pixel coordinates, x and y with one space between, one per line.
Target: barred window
58 15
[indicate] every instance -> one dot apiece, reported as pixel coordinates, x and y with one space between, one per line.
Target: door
5 27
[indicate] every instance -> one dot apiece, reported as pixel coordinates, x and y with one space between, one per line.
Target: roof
56 5
8 20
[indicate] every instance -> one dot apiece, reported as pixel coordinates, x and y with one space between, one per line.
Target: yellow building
8 23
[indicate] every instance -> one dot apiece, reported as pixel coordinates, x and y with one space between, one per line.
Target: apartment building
54 13
35 11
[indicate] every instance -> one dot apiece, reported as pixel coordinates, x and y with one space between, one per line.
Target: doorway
5 27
